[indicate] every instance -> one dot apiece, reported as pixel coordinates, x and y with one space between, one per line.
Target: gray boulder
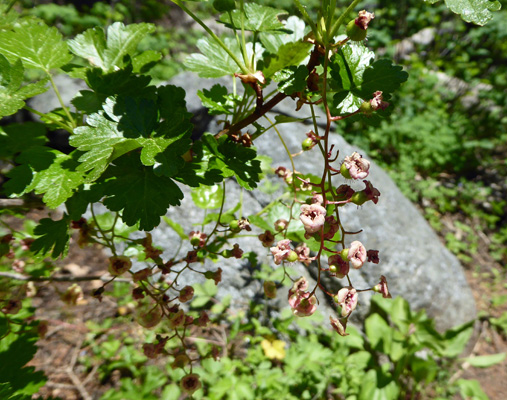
417 266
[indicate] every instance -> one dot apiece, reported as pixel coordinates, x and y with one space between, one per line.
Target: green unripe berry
224 5
333 269
226 254
359 198
366 108
345 171
234 226
354 32
292 257
307 144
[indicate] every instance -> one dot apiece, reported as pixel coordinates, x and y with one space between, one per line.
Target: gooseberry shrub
132 152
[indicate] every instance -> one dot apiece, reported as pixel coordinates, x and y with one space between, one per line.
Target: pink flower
339 326
303 252
356 167
356 254
305 305
302 303
377 103
382 288
363 19
313 217
347 299
281 251
338 266
317 198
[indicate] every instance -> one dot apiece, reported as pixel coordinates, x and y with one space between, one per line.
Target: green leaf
16 138
45 171
214 61
471 389
98 141
474 11
136 116
176 227
208 197
143 62
234 160
289 54
291 80
36 44
255 18
381 75
217 100
119 82
109 53
486 361
53 237
273 41
11 92
58 181
141 195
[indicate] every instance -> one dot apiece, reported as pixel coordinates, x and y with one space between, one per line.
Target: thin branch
71 278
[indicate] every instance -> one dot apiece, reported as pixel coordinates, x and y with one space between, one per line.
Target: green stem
308 20
215 37
11 4
57 92
340 20
60 124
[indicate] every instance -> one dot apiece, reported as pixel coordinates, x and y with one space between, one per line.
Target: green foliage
475 11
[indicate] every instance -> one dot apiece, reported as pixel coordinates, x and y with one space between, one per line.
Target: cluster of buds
302 302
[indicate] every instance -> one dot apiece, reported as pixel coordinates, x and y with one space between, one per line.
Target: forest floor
65 343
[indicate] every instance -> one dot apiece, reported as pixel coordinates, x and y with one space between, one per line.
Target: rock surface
417 266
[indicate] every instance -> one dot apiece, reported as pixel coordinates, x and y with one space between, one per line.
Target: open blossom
347 299
382 288
339 326
303 252
267 238
377 102
338 266
190 383
303 303
313 217
363 19
355 166
356 254
281 251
